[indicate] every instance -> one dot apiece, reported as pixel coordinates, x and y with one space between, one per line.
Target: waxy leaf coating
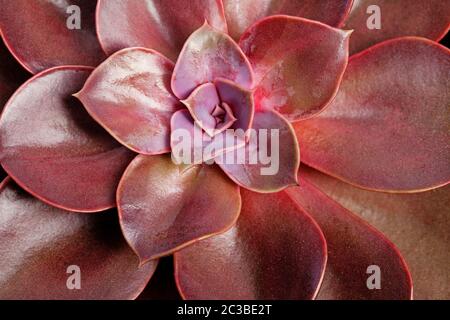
241 14
129 95
209 54
270 160
354 248
275 251
388 128
161 25
43 34
43 249
52 148
164 207
429 19
417 223
298 64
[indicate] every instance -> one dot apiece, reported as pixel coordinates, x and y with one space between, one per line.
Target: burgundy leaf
241 14
129 95
44 248
164 207
355 251
52 148
270 160
275 251
162 25
430 19
43 34
388 128
216 50
418 224
298 64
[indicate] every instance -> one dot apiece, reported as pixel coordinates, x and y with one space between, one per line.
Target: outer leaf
399 18
241 14
39 243
353 247
298 64
275 251
38 33
418 224
209 54
162 25
164 207
52 148
130 96
270 160
388 128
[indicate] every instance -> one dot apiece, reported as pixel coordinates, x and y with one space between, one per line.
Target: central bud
222 114
209 111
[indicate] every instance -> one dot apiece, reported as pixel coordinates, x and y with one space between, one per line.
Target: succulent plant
92 142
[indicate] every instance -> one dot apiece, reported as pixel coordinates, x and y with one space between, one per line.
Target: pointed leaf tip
119 97
377 134
163 208
279 49
209 46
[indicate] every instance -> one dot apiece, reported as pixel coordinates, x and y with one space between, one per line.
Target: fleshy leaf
418 224
216 50
275 251
241 14
160 25
52 148
43 249
44 34
129 95
190 144
164 207
298 64
269 161
429 19
388 127
358 254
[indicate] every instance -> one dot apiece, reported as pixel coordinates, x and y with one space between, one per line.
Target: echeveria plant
236 136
